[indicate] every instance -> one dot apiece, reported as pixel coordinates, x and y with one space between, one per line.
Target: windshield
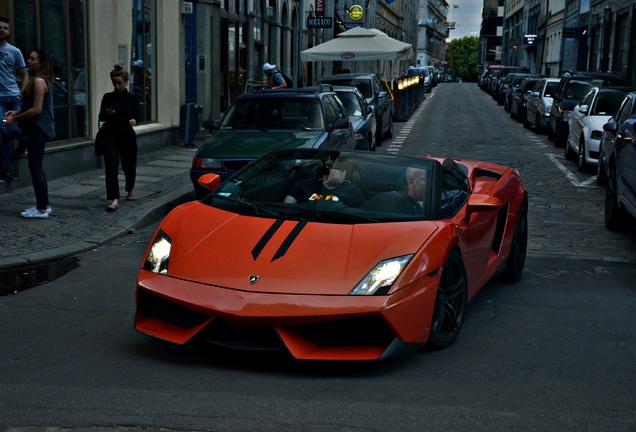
607 103
363 85
275 113
350 102
339 187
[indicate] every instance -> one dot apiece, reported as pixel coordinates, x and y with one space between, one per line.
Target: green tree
461 56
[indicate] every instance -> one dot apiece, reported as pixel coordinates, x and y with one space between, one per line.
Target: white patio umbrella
359 44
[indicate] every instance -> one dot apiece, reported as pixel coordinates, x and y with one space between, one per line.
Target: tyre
526 123
601 175
582 164
450 304
518 247
616 218
371 140
567 152
378 131
537 123
389 132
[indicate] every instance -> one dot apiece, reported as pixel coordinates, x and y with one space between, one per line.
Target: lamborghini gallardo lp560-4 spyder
333 255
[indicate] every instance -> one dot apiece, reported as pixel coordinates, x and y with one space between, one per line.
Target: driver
333 186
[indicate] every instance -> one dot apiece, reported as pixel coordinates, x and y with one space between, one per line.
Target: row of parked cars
345 111
591 115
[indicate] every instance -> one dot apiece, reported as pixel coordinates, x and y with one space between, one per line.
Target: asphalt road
553 352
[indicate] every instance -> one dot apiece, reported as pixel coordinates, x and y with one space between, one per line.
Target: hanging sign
356 12
319 22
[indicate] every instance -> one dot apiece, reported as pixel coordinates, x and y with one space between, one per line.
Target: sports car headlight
157 259
381 277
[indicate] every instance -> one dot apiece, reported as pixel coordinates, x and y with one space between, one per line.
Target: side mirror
210 125
610 126
369 109
584 109
535 94
210 181
383 95
340 124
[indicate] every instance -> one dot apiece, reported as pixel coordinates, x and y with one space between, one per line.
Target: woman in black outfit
119 111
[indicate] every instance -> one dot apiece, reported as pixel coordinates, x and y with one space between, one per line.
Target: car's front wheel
601 175
616 218
450 303
389 131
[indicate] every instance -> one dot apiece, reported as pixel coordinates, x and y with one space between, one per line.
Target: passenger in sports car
416 183
332 187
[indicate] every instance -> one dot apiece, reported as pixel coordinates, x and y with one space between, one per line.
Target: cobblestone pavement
79 221
566 211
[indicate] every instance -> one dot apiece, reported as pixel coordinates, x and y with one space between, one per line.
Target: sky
467 17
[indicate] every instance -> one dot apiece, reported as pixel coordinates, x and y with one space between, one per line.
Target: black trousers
37 143
112 155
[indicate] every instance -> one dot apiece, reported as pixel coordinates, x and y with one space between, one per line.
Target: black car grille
365 331
164 310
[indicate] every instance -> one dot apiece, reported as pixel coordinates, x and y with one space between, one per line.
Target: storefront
85 40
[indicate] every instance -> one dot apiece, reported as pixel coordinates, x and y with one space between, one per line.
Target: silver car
540 104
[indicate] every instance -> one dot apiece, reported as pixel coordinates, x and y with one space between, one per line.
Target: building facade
433 31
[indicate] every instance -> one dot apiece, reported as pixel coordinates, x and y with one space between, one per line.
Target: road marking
570 176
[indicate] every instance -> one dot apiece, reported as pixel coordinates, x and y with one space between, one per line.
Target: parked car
625 111
586 125
572 87
322 254
503 73
424 75
509 89
540 103
375 94
432 74
520 97
361 115
620 153
266 120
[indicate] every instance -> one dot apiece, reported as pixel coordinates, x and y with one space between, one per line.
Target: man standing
11 61
276 79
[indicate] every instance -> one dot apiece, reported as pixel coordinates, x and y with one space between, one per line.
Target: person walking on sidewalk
36 121
119 111
11 61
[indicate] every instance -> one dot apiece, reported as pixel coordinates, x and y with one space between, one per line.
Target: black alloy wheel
518 247
601 175
450 304
616 218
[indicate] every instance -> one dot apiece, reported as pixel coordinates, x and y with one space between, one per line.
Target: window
58 27
142 58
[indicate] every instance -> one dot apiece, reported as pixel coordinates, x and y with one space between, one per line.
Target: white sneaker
33 213
49 210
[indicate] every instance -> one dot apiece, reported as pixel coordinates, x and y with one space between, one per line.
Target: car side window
588 99
377 87
623 112
330 110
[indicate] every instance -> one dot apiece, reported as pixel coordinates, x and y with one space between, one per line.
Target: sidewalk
79 221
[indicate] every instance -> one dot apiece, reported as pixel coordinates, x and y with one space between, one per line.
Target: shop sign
347 56
319 22
530 40
356 12
319 7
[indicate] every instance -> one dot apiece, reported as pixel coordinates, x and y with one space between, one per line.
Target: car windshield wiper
246 204
243 126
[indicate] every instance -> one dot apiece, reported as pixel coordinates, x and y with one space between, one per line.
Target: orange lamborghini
333 255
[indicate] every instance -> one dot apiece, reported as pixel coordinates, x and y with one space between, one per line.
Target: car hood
254 143
220 248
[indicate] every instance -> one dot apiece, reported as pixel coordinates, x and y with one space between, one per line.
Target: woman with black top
119 111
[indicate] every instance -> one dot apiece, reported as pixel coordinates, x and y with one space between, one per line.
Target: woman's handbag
100 141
